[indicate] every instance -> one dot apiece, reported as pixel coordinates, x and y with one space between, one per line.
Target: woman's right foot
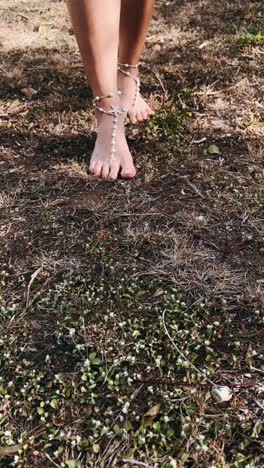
101 164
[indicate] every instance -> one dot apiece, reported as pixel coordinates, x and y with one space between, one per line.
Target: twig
259 404
33 276
159 80
143 214
155 73
23 16
53 462
7 451
252 335
257 370
199 141
183 355
135 462
192 186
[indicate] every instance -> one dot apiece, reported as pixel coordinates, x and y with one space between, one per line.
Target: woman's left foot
141 110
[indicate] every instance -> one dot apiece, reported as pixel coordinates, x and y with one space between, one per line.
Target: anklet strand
115 111
135 78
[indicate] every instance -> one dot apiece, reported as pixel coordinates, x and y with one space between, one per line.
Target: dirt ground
104 284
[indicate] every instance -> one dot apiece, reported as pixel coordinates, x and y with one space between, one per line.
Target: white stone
221 393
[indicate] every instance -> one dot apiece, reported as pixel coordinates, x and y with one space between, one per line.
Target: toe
105 171
92 166
145 115
132 117
128 171
148 110
98 169
114 170
140 117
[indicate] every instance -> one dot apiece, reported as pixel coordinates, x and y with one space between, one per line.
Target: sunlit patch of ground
95 273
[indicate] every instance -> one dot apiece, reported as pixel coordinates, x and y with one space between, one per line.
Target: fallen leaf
29 92
158 292
148 417
213 149
204 44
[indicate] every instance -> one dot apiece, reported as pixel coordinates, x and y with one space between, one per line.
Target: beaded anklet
115 112
120 68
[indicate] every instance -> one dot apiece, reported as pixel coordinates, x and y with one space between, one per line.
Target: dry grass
186 235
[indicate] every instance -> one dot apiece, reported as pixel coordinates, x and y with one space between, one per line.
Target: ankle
104 121
122 76
106 103
129 67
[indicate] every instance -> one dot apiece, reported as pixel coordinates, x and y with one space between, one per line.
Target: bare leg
135 19
96 26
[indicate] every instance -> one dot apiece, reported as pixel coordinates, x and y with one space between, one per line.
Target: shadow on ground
90 266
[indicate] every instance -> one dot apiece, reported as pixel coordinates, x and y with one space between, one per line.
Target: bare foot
141 110
102 164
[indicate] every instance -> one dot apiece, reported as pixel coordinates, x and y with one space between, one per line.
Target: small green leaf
96 448
128 425
54 403
72 463
141 293
96 361
213 149
136 333
156 426
116 429
3 391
